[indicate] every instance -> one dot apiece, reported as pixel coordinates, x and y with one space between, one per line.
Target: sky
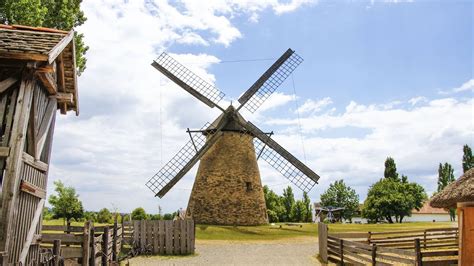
379 78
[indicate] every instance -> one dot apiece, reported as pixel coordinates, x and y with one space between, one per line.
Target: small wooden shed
37 77
460 194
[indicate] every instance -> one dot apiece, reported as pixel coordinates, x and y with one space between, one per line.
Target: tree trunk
401 218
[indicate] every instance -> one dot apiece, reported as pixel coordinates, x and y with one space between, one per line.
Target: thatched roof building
462 190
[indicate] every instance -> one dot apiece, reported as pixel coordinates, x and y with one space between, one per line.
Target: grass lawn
61 222
269 232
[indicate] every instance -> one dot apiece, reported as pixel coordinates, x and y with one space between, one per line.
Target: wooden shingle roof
54 51
462 190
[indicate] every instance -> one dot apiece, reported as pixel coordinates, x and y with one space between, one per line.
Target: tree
390 169
275 210
299 211
66 203
90 216
308 217
340 195
467 158
288 203
446 177
139 214
392 200
63 15
104 216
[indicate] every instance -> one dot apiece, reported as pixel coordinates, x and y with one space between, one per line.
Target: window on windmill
248 185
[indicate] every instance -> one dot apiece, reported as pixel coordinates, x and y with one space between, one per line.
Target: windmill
227 188
330 212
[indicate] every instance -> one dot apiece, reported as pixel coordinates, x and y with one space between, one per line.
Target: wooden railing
415 247
86 245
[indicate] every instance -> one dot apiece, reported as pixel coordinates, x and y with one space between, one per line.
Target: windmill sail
186 79
254 97
184 160
283 161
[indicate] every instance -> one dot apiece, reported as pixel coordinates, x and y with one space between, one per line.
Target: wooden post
114 241
56 252
68 227
93 251
419 258
323 241
105 246
3 258
374 254
369 237
341 250
424 239
86 239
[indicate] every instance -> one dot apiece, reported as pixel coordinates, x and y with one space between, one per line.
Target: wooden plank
156 237
48 82
65 238
93 250
60 73
44 126
31 232
24 56
31 189
395 258
4 151
149 232
183 236
59 47
31 161
356 255
440 253
105 247
136 228
56 252
396 251
142 234
441 262
350 235
71 252
169 237
7 83
358 250
192 234
161 236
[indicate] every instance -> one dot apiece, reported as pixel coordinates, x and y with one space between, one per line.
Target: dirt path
300 251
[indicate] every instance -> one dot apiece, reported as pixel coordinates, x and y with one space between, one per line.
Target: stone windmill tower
228 189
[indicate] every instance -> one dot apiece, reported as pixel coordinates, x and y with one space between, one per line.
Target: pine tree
467 159
289 203
446 177
391 169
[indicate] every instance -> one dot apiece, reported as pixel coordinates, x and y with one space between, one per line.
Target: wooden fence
86 245
161 237
380 249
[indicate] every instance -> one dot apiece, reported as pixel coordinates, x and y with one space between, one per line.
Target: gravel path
300 251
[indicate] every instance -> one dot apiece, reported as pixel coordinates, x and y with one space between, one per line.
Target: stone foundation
228 189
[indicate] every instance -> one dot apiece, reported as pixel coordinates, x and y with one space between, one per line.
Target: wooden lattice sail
37 77
228 188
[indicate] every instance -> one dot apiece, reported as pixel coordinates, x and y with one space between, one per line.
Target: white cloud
313 106
466 86
419 99
418 138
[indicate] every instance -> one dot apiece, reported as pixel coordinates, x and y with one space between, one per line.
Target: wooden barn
37 77
460 194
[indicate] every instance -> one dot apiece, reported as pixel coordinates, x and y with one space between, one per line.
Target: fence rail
86 245
376 251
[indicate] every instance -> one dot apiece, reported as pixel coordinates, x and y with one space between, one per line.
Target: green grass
268 232
61 222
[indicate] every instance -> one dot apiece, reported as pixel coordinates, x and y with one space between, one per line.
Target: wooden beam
31 189
76 95
59 47
31 136
30 160
31 232
24 56
49 68
48 81
44 126
4 151
7 83
60 73
63 97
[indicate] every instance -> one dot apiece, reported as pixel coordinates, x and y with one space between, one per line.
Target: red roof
21 27
427 209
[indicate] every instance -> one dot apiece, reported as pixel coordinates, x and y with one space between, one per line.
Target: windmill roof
427 209
43 45
232 125
462 190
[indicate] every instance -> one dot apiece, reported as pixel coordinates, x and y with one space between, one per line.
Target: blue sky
380 78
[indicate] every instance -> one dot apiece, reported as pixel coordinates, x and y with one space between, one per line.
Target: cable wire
299 118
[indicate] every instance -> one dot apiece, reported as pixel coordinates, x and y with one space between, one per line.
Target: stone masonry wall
228 189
